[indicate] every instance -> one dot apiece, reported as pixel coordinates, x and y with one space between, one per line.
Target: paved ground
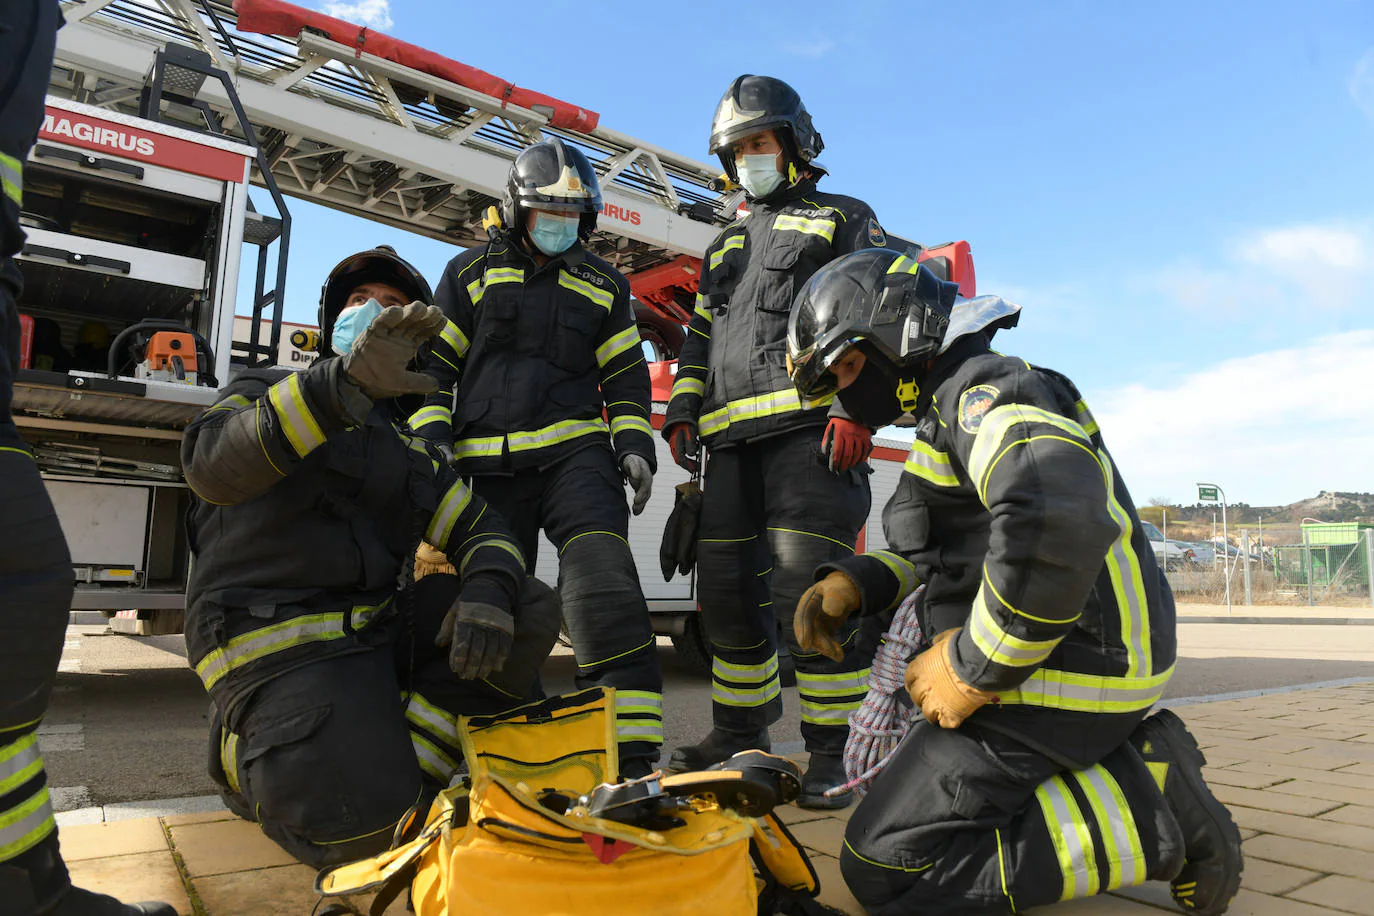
1296 768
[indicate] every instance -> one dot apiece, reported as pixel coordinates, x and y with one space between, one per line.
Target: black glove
479 637
678 550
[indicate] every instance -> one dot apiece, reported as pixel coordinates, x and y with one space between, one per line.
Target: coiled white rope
878 726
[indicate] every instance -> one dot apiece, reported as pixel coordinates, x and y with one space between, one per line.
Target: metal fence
1291 574
1323 570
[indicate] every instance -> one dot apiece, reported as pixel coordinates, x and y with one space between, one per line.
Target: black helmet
376 265
552 175
874 296
757 103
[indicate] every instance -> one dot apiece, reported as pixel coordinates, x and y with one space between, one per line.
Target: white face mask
759 174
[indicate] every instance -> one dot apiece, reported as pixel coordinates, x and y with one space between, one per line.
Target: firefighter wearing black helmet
1034 775
551 417
337 682
787 484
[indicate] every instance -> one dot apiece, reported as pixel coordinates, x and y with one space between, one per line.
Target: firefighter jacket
542 356
311 503
732 377
1012 512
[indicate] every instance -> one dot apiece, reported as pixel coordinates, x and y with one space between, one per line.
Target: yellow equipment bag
514 838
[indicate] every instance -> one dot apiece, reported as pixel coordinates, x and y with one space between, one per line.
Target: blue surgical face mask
351 323
759 174
554 235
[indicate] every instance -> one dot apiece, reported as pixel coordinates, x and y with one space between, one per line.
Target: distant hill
1281 524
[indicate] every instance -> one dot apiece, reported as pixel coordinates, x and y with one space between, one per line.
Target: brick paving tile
1360 769
204 817
825 835
791 814
1322 857
834 892
1304 828
1347 794
1358 815
1274 877
1336 731
1250 903
137 877
1104 905
1269 800
122 838
1328 777
1340 892
226 846
284 891
1227 776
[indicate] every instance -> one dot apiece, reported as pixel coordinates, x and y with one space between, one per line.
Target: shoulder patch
974 404
876 234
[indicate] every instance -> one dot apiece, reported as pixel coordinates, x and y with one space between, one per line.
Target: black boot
78 902
1212 854
717 746
824 771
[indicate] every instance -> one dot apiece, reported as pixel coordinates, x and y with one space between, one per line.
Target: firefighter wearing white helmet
787 482
1036 773
541 343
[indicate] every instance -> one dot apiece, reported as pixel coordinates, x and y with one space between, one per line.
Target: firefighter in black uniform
334 706
35 567
541 340
786 487
1035 775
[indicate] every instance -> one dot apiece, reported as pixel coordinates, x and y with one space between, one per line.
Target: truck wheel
692 647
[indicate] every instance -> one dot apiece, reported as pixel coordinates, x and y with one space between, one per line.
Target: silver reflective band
25 825
12 178
19 762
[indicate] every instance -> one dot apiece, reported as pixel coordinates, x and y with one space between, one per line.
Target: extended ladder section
366 124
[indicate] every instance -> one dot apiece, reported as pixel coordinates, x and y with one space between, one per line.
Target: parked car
1170 554
1204 554
1232 552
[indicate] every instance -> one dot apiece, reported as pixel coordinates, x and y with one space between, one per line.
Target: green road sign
1208 494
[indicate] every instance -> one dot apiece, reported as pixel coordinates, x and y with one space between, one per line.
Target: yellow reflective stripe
479 447
733 243
233 402
627 339
498 543
625 424
455 501
229 758
997 424
436 413
12 178
19 762
746 697
998 595
436 763
25 825
763 405
909 871
628 652
602 297
1128 585
825 228
361 615
1073 844
930 465
426 715
554 434
1085 418
745 685
1088 692
248 648
904 265
455 338
902 568
649 701
1001 647
829 713
639 715
684 385
701 311
299 424
496 275
845 683
476 291
1120 837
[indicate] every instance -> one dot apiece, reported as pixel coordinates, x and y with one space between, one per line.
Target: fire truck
168 123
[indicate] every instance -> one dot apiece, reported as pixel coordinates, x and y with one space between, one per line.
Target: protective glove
377 363
684 444
641 477
944 699
822 610
430 560
846 443
445 449
479 637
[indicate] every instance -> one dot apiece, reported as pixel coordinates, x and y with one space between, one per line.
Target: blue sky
1180 195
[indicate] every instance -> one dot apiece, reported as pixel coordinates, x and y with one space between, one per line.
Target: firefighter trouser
329 757
969 820
775 503
580 504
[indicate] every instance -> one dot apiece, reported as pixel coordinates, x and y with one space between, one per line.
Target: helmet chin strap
907 394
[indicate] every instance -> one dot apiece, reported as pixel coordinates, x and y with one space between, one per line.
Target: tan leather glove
430 560
821 612
944 699
377 363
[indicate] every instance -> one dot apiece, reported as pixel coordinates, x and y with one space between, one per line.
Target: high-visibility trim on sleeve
627 423
931 465
493 541
232 402
1085 418
626 340
701 311
998 645
455 338
902 568
435 413
684 385
997 424
733 243
451 507
302 429
12 178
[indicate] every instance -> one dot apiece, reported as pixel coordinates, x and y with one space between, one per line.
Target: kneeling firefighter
1036 775
334 706
541 343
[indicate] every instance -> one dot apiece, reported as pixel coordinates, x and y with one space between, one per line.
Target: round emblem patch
973 404
876 234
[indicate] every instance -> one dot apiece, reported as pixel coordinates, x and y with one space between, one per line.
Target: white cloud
1271 428
1362 83
375 14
